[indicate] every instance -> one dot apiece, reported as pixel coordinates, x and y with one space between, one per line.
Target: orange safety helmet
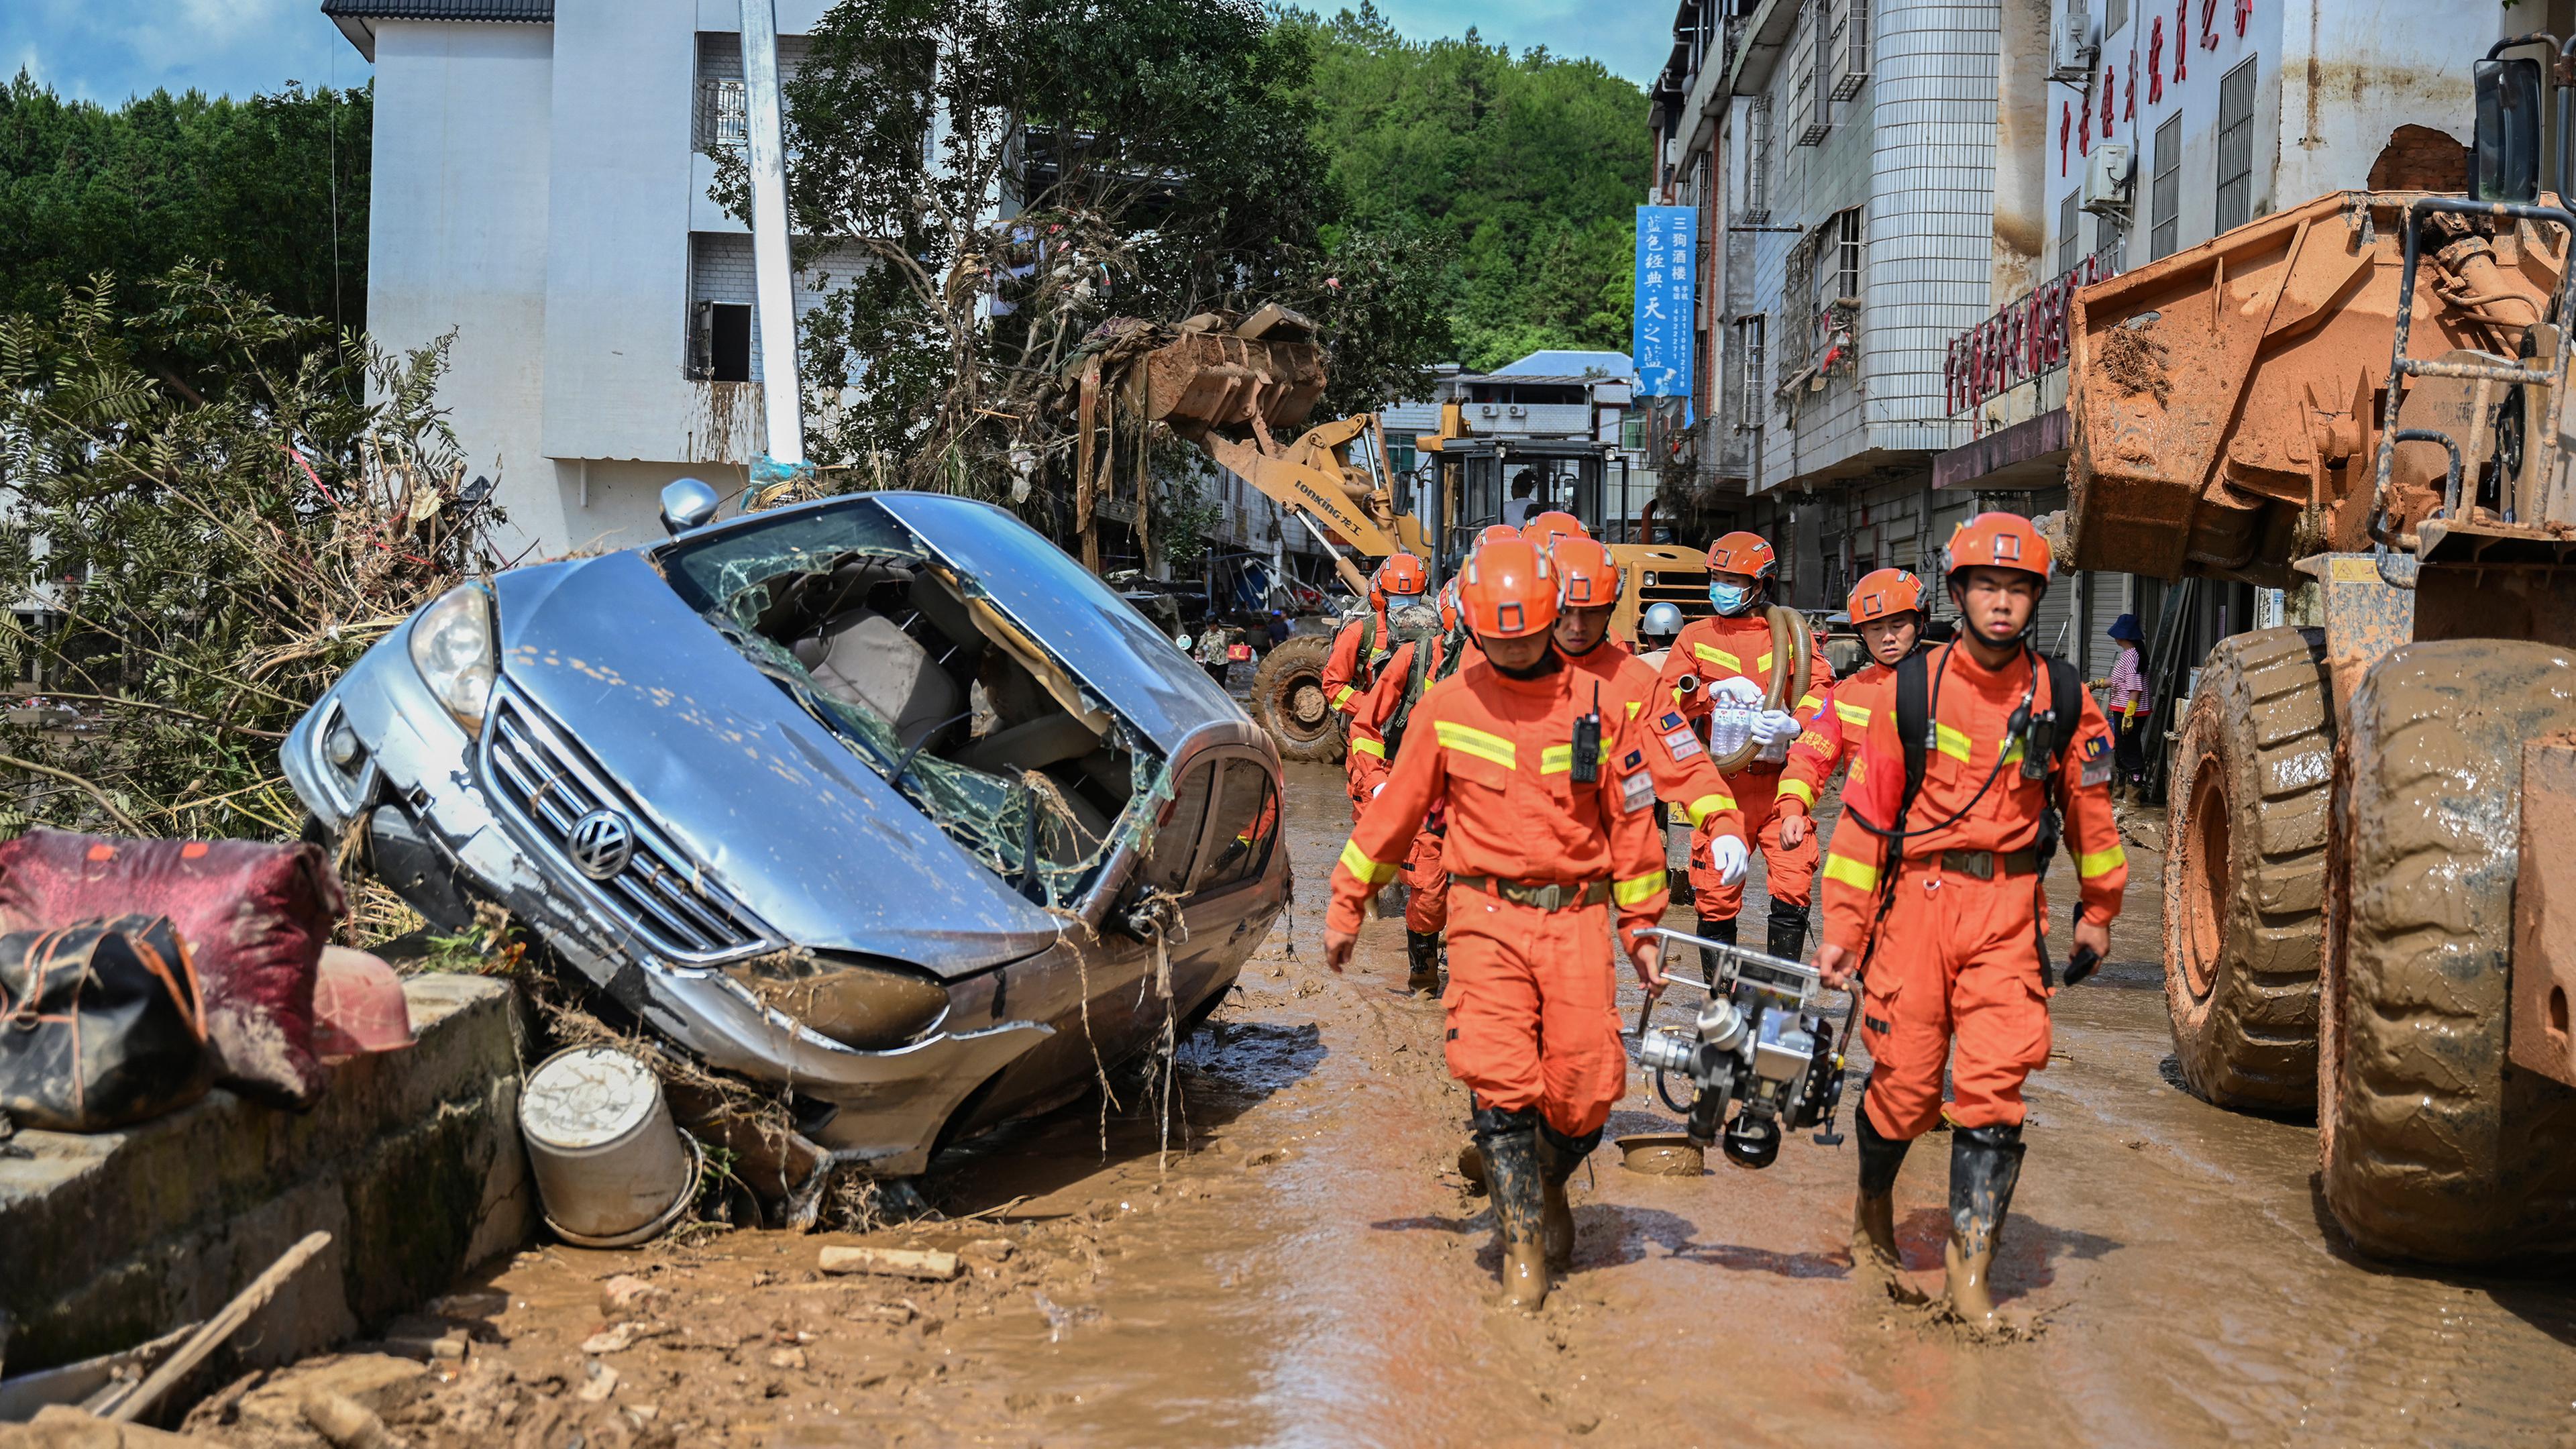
1586 578
2000 541
1449 606
1495 533
1547 527
1402 573
1884 592
1743 553
1508 590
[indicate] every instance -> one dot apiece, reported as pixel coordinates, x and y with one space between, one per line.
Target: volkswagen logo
601 844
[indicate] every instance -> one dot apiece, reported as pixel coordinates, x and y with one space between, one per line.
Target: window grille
2164 201
2236 148
1757 145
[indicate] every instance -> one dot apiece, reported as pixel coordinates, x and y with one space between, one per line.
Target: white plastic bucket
612 1168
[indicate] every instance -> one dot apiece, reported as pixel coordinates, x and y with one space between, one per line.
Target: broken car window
917 675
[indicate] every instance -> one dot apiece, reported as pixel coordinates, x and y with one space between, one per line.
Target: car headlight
452 647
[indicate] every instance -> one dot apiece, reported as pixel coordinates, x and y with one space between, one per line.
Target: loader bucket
1214 380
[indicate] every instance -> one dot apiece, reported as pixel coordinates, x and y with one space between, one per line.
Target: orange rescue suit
1531 1009
1719 648
1675 756
1958 954
1834 731
1426 903
1346 672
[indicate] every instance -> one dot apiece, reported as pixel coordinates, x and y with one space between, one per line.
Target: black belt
1553 896
1987 864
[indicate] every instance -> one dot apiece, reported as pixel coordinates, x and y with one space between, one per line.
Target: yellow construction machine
2370 909
1234 388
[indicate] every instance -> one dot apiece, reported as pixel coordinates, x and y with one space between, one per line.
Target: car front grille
550 784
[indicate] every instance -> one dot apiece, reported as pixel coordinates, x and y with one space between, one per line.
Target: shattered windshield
908 664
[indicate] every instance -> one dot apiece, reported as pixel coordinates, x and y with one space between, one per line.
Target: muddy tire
1288 700
2432 1145
2245 871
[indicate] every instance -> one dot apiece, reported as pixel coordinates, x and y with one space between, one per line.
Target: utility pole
782 400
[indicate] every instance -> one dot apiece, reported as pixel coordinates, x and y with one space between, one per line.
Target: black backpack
2048 737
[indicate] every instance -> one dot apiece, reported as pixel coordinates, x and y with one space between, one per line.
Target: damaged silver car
881 798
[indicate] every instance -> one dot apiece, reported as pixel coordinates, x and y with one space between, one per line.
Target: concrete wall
1932 211
2334 79
411 1161
458 218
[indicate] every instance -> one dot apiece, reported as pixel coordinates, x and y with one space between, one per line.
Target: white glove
1728 855
1737 688
1773 729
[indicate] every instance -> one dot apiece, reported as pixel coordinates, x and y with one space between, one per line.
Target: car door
1227 899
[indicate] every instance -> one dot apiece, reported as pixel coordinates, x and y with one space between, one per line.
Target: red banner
2023 341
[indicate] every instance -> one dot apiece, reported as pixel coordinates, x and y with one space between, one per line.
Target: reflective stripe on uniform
1762 665
1718 657
1467 740
1630 892
1855 715
1635 705
1559 759
1799 790
1363 869
2101 862
1369 747
1705 806
1343 699
1809 701
1850 872
1953 743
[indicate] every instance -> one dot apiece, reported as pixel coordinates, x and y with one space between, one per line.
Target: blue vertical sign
1661 339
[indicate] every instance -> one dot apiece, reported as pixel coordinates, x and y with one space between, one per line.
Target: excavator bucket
1218 379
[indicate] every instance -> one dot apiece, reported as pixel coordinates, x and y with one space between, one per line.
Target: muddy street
1303 1266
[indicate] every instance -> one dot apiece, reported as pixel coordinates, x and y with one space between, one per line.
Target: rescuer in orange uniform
1949 938
1589 583
1735 644
1543 847
1552 525
1361 645
1379 727
1887 609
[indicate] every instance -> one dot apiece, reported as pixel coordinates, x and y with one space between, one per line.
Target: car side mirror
2504 164
686 504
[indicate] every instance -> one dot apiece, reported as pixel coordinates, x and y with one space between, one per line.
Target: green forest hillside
1529 167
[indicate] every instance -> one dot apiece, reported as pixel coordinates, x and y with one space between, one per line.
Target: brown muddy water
1305 1268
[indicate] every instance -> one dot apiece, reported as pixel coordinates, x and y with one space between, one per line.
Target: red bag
256 916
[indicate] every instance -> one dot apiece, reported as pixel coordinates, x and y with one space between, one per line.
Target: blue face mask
1730 598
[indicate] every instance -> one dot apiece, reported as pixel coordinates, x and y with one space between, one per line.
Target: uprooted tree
212 508
1012 174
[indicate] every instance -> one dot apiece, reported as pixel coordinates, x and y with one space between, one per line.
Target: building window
1748 357
724 341
2114 15
2236 147
1846 255
2069 222
2165 200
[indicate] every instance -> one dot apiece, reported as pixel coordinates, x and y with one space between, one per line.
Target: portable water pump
1760 1042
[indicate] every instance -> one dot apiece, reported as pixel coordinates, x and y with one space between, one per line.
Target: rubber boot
1712 929
1873 1244
1422 951
1558 1156
1985 1165
1509 1141
1788 931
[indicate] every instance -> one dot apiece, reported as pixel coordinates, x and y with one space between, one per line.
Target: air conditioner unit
2070 44
1488 409
2106 180
1518 411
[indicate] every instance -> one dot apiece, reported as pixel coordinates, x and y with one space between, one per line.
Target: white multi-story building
1841 156
541 170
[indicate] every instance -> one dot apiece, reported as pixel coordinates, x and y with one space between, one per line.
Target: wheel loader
2370 890
1233 389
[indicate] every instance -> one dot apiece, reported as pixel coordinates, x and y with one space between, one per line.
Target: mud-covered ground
1306 1268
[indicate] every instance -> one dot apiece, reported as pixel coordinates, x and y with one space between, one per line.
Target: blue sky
106 50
